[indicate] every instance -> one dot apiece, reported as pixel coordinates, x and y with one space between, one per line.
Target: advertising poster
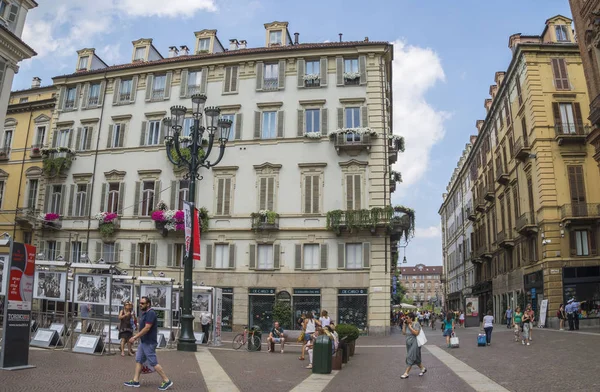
3 273
187 211
543 312
217 325
472 308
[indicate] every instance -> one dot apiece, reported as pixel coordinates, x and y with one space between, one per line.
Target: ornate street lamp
186 151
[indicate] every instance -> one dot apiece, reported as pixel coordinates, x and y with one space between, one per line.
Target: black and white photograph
92 289
50 285
201 302
121 292
175 300
3 265
112 310
160 296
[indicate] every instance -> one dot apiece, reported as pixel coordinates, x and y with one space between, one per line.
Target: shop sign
227 290
307 291
555 271
262 291
352 292
284 296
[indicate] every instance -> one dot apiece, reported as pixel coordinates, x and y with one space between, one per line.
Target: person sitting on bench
276 336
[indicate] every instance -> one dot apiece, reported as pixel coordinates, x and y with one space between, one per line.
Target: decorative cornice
224 168
269 104
3 174
353 100
267 165
65 123
162 113
41 119
115 173
122 117
149 172
230 107
353 162
82 176
89 120
315 164
305 102
33 171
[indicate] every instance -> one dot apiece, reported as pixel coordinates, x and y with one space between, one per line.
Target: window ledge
122 103
263 105
231 93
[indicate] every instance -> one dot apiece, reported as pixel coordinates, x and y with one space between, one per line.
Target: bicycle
247 337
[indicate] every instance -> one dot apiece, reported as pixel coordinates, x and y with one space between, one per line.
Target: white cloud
415 71
428 232
172 8
111 54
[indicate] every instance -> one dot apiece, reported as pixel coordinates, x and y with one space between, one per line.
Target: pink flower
158 216
180 226
51 216
110 217
179 216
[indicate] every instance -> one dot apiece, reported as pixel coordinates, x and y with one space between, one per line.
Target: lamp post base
186 345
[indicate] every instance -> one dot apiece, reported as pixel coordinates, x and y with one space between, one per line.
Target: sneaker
131 383
523 342
562 329
528 343
165 385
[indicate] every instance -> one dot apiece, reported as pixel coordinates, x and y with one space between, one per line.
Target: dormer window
83 63
8 11
140 54
562 33
275 37
204 45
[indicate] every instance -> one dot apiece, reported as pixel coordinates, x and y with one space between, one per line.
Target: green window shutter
168 85
121 198
132 255
357 192
153 250
84 247
204 80
209 256
61 98
71 131
341 256
252 257
122 135
234 79
280 123
88 140
307 194
47 197
77 94
227 197
169 255
136 198
324 121
116 90
149 83
63 195
117 256
143 133
67 255
324 254
157 192
98 250
362 69
301 72
184 84
102 92
174 198
227 81
276 256
58 249
88 199
262 194
238 126
259 75
300 122
364 116
232 256
339 70
323 72
366 254
110 136
134 86
86 91
220 192
315 194
340 118
257 118
54 138
70 206
78 139
298 257
349 192
271 193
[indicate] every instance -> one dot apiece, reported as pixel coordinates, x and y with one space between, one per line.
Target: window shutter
324 254
339 70
149 83
209 256
132 255
204 80
121 197
298 257
557 118
136 198
122 135
88 140
572 242
116 90
88 201
593 241
301 72
62 97
143 133
238 126
84 247
280 123
78 139
67 254
259 75
362 69
227 81
86 90
252 257
12 13
340 118
227 197
168 85
101 93
281 78
98 250
300 122
54 138
364 116
349 192
134 86
270 193
110 135
507 108
220 191
153 249
77 93
157 192
70 207
262 194
562 66
315 194
234 79
232 256
556 72
307 194
183 84
357 192
47 197
324 121
174 198
70 142
103 198
578 118
341 256
276 256
257 117
63 194
366 254
323 72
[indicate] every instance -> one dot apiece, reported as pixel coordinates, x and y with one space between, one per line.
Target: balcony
489 193
35 151
93 101
395 145
526 224
505 240
579 212
265 221
471 215
502 177
26 217
57 161
595 110
312 82
270 84
480 205
351 142
571 133
194 89
69 104
483 252
521 149
399 221
4 153
52 224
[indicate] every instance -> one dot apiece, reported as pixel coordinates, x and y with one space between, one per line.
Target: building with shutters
423 284
298 208
26 129
532 178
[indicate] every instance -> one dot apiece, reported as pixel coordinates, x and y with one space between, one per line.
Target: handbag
454 343
301 337
421 339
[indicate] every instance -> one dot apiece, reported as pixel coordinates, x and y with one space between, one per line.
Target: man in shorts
276 336
146 352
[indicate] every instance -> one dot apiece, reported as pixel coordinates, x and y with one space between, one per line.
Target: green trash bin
323 350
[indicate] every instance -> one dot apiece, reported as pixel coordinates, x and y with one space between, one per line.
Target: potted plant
106 223
168 220
50 219
348 333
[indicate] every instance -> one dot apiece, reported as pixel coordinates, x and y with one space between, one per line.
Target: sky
445 57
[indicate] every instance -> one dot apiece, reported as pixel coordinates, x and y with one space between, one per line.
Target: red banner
196 248
20 279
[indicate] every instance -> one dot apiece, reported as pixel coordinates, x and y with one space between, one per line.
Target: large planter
345 352
160 226
351 347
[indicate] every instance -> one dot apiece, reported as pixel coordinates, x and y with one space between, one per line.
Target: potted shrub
106 223
348 333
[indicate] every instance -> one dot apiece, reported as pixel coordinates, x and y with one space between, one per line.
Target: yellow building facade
534 181
26 131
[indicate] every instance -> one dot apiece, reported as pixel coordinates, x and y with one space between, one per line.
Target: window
70 98
117 136
354 256
147 198
113 197
108 252
63 138
52 250
312 258
275 37
1 194
76 248
144 255
55 199
184 190
567 119
140 54
84 135
269 125
312 187
179 255
351 66
194 82
153 133
313 68
80 199
8 136
422 285
414 285
188 123
313 120
230 117
83 62
353 192
3 6
23 100
32 194
204 45
581 242
271 78
125 90
265 257
40 136
158 88
222 256
562 33
231 78
266 193
94 98
223 196
352 117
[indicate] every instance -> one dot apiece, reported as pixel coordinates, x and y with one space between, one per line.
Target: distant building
423 284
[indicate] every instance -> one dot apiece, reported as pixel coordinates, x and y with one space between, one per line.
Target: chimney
173 51
366 39
233 44
341 36
184 50
479 125
36 82
296 37
242 44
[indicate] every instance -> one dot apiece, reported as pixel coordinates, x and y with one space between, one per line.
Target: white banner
543 311
187 210
218 316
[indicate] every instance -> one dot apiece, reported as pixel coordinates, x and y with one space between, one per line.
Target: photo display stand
160 291
46 338
89 344
202 301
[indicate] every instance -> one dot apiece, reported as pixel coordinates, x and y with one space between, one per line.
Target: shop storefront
260 308
353 307
483 292
534 290
306 301
583 283
227 312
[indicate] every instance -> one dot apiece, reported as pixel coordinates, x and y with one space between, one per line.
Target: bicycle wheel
254 343
238 341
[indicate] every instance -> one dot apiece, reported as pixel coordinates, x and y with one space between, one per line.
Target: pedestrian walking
411 329
517 321
309 327
448 327
488 326
562 316
324 319
433 317
205 320
508 315
148 335
126 327
529 315
461 319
